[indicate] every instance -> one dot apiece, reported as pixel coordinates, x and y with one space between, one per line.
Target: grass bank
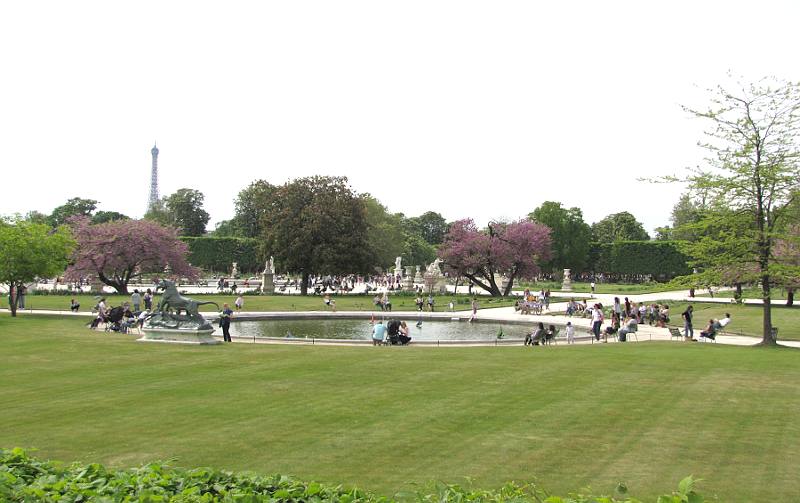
746 319
391 418
276 302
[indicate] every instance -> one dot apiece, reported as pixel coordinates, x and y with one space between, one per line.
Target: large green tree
620 226
102 217
31 250
752 173
74 207
384 233
430 225
251 205
185 210
686 212
570 236
317 225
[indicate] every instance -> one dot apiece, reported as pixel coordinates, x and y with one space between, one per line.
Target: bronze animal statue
172 300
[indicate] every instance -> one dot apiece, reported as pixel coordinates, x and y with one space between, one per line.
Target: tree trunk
304 283
765 293
490 287
789 297
12 299
738 291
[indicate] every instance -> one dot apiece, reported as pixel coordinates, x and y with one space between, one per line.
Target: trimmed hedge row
661 259
217 254
24 478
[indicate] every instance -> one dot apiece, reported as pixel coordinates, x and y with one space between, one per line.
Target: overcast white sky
472 109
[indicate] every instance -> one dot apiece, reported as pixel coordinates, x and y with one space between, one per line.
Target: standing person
21 296
225 322
592 285
239 303
688 332
148 300
617 308
597 320
136 300
430 302
474 308
420 303
570 333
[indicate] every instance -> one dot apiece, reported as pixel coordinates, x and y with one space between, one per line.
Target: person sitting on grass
377 301
403 334
74 305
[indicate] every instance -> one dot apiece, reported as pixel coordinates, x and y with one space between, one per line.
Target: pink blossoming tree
513 249
119 251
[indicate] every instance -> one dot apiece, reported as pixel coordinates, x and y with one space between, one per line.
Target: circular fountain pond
361 329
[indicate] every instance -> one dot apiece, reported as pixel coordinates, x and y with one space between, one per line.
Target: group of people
422 303
116 319
531 303
394 333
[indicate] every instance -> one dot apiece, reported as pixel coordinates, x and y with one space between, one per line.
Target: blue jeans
596 329
687 330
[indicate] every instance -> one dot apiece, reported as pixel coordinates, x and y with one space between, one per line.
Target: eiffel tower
153 201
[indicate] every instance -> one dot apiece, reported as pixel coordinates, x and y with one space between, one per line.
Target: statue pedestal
408 279
175 336
566 285
268 283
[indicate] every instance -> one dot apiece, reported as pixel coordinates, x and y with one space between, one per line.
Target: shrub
24 478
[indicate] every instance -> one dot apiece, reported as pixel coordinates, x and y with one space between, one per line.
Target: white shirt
723 322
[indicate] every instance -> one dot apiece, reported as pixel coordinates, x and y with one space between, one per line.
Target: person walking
225 322
21 291
239 303
148 300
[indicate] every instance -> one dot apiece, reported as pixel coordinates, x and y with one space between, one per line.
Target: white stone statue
269 267
397 268
234 269
434 268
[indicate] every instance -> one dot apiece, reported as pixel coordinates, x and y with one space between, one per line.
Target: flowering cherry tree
513 249
118 251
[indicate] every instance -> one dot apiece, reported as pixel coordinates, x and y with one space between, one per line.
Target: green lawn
388 418
746 319
274 302
777 293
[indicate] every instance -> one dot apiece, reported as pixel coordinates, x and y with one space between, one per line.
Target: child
239 303
570 333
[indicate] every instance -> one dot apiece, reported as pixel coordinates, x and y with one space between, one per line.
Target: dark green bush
217 254
24 478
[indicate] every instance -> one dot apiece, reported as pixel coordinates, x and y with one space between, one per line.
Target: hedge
24 478
659 259
217 254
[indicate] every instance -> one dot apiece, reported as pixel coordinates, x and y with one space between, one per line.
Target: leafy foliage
251 206
106 216
513 249
317 225
430 225
217 253
619 227
74 207
751 179
30 250
116 252
25 478
570 236
185 210
661 259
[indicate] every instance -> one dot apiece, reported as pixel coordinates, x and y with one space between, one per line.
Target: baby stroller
114 318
